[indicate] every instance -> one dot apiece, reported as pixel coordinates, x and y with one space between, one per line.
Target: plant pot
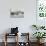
40 41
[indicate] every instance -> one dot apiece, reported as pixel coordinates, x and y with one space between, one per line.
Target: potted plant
39 36
35 26
38 27
42 27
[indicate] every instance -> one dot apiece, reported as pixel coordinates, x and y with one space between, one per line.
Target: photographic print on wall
16 14
41 8
41 12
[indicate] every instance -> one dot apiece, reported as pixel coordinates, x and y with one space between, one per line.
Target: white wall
29 8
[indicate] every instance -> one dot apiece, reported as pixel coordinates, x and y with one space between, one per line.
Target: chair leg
5 43
5 40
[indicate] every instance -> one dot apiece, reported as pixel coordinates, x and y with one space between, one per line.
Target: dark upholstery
14 30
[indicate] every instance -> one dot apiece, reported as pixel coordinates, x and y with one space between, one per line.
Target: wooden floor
13 44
